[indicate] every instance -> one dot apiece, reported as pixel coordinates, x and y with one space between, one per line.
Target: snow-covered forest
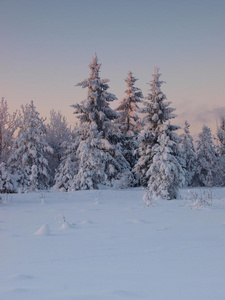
136 144
110 234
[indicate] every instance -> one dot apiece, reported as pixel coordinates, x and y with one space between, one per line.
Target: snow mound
43 230
67 225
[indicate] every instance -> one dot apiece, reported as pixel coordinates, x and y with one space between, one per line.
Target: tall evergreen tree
97 156
156 112
128 122
58 135
221 136
221 146
8 125
128 107
28 161
95 113
208 171
188 154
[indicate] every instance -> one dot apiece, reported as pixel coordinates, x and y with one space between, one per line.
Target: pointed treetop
130 80
186 127
155 84
94 66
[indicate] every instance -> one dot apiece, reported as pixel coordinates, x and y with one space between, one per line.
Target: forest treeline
132 145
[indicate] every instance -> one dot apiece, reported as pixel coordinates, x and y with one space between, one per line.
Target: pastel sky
46 46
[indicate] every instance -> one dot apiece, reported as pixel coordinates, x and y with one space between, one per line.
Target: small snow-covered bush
5 198
200 199
127 179
148 199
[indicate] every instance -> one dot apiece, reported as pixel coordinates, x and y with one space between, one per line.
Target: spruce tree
156 112
166 175
221 136
128 108
208 171
188 154
221 145
67 168
58 135
28 161
7 180
8 125
128 122
98 158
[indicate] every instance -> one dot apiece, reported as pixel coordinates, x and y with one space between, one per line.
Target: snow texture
120 250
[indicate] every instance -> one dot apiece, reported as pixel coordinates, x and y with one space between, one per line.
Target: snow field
107 245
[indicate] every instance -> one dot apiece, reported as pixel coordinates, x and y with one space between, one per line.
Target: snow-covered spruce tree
58 135
28 161
165 174
99 159
156 112
128 107
188 154
68 166
8 125
221 146
7 180
221 136
128 123
208 171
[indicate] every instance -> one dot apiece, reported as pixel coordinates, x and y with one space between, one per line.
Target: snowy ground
111 247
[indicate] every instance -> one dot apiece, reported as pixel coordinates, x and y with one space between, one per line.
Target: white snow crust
120 249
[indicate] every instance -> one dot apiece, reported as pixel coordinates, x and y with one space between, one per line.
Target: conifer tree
28 161
68 167
221 146
7 180
156 112
188 154
166 175
97 157
128 122
128 107
221 136
8 125
58 135
208 171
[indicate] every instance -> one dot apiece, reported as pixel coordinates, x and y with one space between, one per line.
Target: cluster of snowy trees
135 144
